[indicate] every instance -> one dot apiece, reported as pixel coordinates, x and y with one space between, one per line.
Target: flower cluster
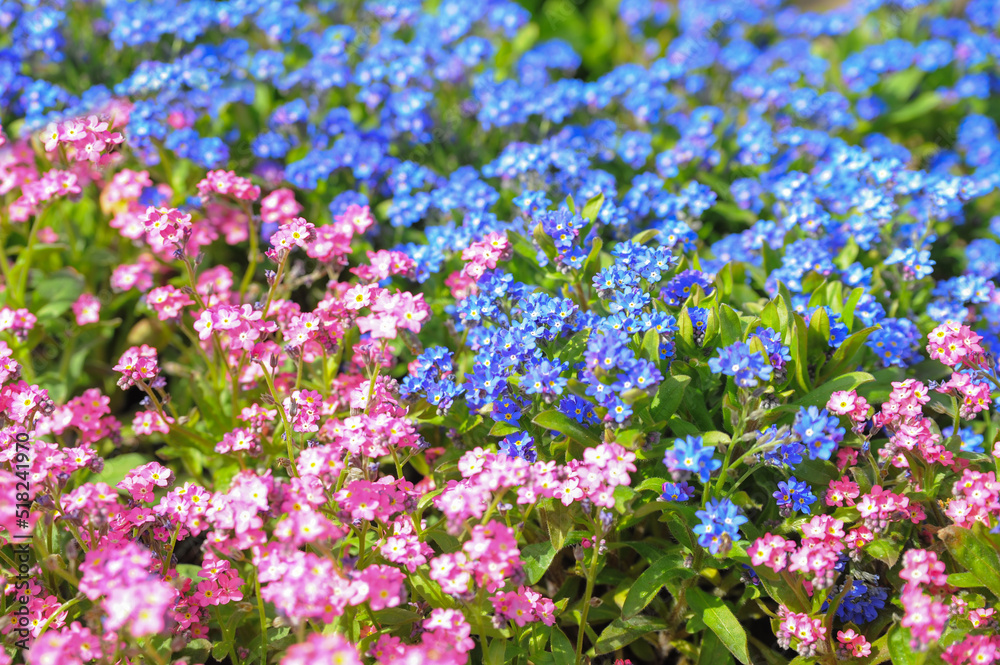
405 331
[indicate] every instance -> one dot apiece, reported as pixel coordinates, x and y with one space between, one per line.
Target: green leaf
680 427
972 550
885 549
115 468
592 264
560 523
497 649
770 318
680 531
733 212
503 429
713 651
621 633
655 484
899 647
643 237
645 588
818 471
668 397
800 350
965 580
721 620
651 346
544 242
845 353
556 421
820 396
55 294
729 323
396 616
685 329
562 648
847 315
536 559
920 106
778 589
220 650
819 329
210 406
592 208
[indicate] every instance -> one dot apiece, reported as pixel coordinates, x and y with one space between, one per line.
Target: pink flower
167 225
355 220
320 648
359 296
228 183
137 364
483 255
168 302
855 645
384 586
18 321
147 422
842 491
135 275
955 344
279 206
800 629
922 568
87 309
923 615
772 551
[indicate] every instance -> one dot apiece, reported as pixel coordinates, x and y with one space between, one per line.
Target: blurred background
590 27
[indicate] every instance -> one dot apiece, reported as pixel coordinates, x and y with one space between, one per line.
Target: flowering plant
400 332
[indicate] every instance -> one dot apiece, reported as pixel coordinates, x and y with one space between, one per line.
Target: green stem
254 248
284 421
225 636
263 617
4 268
399 467
22 284
362 536
62 608
170 552
155 657
374 377
274 286
587 595
737 437
326 375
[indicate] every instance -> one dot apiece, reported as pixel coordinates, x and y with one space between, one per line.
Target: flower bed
402 332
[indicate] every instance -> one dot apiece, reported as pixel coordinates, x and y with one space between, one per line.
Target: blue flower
818 431
691 454
789 454
679 288
777 353
544 379
520 445
677 492
744 365
794 496
578 409
506 410
432 377
721 518
861 603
